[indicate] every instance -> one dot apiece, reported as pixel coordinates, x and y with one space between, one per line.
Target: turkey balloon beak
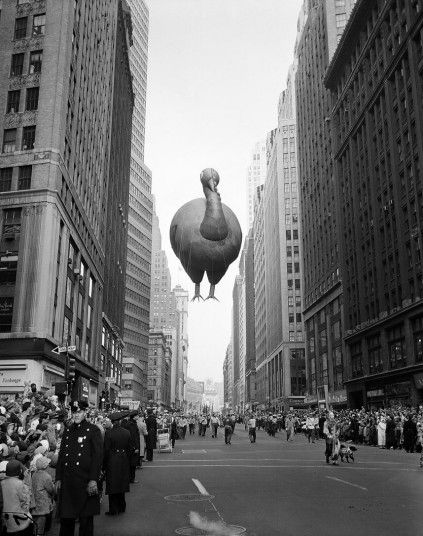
212 185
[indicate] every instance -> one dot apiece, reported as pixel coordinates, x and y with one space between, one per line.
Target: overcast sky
215 72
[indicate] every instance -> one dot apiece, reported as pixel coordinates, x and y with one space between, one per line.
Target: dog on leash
347 452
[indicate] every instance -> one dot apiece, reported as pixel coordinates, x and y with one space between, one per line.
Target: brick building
376 80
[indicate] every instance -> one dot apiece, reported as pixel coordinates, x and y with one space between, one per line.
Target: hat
53 457
42 463
118 415
79 405
14 468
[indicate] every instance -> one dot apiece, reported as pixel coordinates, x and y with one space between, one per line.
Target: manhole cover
233 530
188 497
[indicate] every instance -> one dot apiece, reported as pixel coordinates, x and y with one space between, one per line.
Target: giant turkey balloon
205 235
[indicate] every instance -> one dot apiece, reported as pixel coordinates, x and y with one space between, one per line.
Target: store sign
401 388
375 393
13 377
418 380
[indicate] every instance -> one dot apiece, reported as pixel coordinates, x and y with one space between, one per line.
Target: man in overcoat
78 472
118 449
151 441
132 427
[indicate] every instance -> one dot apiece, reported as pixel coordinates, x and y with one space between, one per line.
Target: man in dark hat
151 441
118 450
78 472
132 427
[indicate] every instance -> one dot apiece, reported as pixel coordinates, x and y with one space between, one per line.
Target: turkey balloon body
205 235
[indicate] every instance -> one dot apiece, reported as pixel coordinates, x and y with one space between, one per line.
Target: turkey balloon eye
205 235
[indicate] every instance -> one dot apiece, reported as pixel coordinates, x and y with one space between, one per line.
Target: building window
375 354
69 293
417 324
297 284
39 25
289 267
20 27
16 67
28 138
6 179
32 95
397 354
13 98
67 330
356 360
24 181
9 140
35 61
6 314
295 234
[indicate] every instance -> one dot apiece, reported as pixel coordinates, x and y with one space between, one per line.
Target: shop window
11 223
397 349
417 325
356 360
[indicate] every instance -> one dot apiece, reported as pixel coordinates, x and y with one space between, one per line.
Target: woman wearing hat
16 501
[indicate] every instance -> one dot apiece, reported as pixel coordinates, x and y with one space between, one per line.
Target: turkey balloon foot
211 295
197 294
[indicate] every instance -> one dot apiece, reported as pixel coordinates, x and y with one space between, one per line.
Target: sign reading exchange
15 378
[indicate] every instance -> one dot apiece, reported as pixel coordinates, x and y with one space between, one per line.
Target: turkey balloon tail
213 528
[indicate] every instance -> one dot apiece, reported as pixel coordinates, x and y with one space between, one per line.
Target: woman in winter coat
42 493
142 427
16 501
381 433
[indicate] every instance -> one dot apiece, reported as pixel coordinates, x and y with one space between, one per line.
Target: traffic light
71 369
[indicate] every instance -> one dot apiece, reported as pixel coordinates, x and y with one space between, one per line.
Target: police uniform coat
118 449
151 441
79 461
132 427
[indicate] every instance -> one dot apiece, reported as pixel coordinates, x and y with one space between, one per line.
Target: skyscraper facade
377 89
250 342
322 24
256 175
259 294
138 267
54 185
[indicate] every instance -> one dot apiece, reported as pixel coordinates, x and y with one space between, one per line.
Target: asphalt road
271 488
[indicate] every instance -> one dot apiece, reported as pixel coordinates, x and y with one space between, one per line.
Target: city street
272 488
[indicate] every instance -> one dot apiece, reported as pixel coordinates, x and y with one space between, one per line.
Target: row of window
38 26
10 139
24 178
18 62
14 100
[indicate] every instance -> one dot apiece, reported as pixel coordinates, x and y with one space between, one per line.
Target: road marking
201 451
200 487
269 460
345 482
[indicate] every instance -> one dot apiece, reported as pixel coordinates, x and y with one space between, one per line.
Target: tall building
377 90
283 368
256 175
163 313
228 383
320 27
159 369
250 338
116 230
194 395
181 297
259 295
237 378
138 266
54 184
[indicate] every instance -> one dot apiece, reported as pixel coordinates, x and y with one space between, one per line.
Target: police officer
132 427
78 472
118 449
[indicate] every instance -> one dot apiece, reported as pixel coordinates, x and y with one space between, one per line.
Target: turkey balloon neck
214 226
